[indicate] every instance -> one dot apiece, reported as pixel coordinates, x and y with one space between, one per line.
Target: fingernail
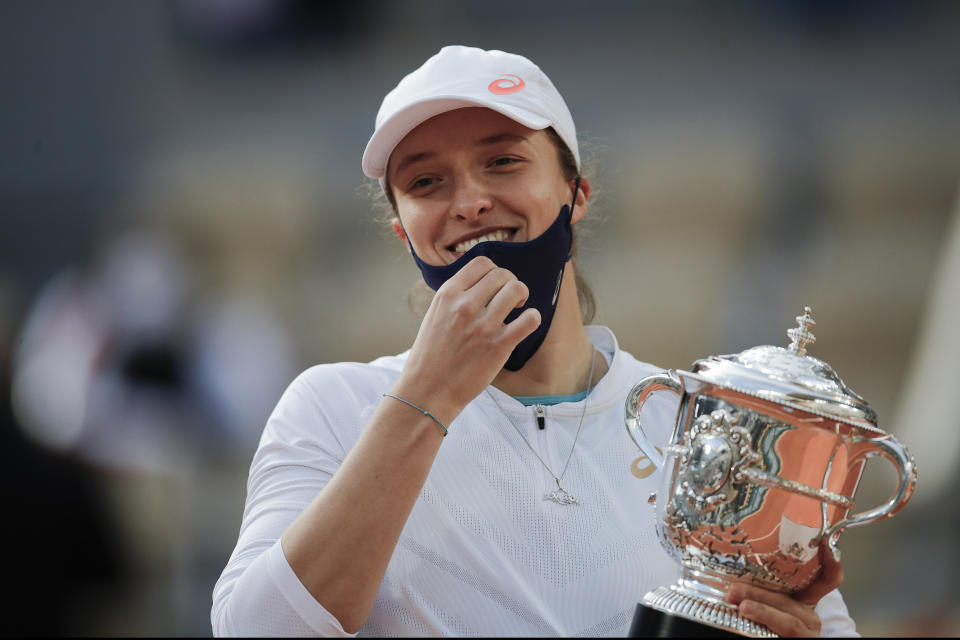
747 608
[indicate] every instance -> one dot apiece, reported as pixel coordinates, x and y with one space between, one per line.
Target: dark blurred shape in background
182 234
258 27
61 542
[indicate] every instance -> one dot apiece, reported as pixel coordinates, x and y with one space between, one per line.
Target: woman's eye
500 162
421 183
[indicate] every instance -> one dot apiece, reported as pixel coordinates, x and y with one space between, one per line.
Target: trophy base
668 613
651 623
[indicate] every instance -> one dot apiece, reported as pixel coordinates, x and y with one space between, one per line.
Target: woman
529 519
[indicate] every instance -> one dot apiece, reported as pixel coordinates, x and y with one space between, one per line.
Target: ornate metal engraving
714 613
713 459
763 465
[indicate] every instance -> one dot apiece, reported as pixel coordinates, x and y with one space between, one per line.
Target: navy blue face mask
538 263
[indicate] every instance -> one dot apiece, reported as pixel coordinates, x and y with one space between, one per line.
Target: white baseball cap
458 77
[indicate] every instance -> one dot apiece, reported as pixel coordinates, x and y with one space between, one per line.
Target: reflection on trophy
763 465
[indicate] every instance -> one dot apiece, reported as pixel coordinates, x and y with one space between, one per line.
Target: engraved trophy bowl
766 454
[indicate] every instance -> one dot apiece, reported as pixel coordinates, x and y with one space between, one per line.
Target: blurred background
184 228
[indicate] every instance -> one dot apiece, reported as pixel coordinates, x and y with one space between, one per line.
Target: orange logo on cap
509 83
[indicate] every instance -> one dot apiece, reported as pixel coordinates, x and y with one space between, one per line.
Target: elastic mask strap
573 203
576 190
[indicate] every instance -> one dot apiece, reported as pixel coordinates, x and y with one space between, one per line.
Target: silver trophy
763 464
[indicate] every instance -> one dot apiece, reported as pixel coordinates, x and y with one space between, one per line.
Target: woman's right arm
340 544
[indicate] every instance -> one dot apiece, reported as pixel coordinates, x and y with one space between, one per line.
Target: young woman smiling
480 483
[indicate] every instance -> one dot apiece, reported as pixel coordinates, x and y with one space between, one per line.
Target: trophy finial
800 336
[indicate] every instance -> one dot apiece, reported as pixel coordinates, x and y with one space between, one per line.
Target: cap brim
389 134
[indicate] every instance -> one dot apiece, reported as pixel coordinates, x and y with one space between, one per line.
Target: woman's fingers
471 273
507 297
498 293
475 285
521 326
779 612
463 341
789 615
490 292
506 294
780 622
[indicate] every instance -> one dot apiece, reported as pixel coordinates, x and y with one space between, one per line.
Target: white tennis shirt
482 553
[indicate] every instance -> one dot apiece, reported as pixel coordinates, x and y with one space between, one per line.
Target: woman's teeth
466 245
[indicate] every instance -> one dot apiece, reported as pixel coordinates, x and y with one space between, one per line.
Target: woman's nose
470 200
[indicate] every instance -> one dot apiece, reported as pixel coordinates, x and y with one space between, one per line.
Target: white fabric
482 553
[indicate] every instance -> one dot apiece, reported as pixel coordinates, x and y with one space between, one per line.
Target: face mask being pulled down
538 263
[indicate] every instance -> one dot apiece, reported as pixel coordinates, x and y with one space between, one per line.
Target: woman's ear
580 200
401 233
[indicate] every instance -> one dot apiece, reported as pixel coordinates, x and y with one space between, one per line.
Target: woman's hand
463 342
789 615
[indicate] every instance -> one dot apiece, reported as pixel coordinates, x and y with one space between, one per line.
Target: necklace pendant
561 497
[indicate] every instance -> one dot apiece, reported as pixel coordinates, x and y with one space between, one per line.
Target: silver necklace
561 496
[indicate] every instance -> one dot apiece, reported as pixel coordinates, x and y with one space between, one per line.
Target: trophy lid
790 377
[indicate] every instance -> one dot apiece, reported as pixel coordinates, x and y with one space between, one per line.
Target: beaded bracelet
426 413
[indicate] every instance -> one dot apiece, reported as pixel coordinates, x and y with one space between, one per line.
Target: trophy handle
889 448
635 400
